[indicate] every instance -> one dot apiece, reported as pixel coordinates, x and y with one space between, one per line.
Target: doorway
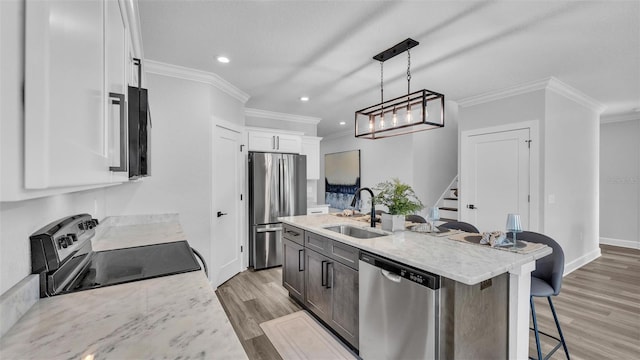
227 210
498 172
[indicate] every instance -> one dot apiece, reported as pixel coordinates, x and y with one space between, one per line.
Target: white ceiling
281 50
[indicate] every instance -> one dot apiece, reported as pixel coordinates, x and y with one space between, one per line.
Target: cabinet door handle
322 280
329 283
301 260
119 100
278 137
137 62
292 233
273 142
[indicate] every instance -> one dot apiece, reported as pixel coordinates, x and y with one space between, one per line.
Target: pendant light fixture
417 111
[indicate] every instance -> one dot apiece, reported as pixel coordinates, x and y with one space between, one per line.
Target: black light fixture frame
420 97
397 49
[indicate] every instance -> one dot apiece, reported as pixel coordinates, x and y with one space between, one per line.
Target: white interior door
227 209
495 177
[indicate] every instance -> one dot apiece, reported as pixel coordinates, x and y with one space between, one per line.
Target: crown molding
550 83
265 114
576 95
620 117
504 93
181 72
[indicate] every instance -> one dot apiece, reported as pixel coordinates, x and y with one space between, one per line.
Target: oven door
266 246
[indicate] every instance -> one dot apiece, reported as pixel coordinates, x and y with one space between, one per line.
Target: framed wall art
342 178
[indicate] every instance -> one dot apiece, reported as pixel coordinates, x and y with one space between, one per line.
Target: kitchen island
177 316
464 263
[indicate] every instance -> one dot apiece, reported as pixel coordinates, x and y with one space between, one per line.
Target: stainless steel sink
355 232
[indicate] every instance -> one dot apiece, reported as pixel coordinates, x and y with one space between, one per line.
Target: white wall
569 143
425 160
514 109
20 219
619 183
181 178
435 158
571 175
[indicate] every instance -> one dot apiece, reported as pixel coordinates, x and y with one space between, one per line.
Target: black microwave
139 134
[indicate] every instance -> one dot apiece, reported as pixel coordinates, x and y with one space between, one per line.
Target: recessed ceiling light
343 123
304 98
223 59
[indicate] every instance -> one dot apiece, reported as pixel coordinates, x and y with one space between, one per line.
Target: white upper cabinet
76 58
269 141
116 71
65 139
288 143
311 148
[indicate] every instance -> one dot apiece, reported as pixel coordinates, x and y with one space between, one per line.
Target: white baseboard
581 261
623 243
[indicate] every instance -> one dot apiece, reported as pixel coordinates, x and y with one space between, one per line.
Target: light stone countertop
176 316
466 263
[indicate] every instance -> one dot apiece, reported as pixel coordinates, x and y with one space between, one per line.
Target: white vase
392 222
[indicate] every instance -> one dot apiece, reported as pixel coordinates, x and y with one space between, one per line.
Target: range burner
61 253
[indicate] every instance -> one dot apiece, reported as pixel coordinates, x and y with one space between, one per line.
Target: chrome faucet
373 207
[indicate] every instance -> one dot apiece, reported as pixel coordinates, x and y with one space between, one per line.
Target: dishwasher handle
391 276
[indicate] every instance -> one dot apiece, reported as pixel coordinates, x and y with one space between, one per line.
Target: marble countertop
466 263
176 316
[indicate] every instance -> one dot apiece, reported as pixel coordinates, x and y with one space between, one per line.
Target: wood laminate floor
253 297
598 307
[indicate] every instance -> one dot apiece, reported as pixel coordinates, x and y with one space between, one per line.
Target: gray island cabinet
323 276
484 294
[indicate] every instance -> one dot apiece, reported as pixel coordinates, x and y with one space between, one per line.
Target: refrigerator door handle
280 187
268 230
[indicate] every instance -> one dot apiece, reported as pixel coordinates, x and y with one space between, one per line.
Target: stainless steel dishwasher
399 310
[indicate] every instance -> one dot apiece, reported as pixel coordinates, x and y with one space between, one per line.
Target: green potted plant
400 200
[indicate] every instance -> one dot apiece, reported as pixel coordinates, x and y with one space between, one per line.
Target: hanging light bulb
409 113
382 121
395 117
370 122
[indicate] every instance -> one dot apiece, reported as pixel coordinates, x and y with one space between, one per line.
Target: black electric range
62 255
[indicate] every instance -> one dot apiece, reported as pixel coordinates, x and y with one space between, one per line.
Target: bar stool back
460 225
546 281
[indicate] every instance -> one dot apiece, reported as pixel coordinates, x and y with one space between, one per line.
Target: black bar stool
460 225
546 281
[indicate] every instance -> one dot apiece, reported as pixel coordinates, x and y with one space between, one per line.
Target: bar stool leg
555 317
535 327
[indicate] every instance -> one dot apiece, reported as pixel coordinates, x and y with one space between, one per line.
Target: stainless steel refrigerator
277 187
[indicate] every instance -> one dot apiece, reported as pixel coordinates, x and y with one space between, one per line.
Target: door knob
471 206
220 213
